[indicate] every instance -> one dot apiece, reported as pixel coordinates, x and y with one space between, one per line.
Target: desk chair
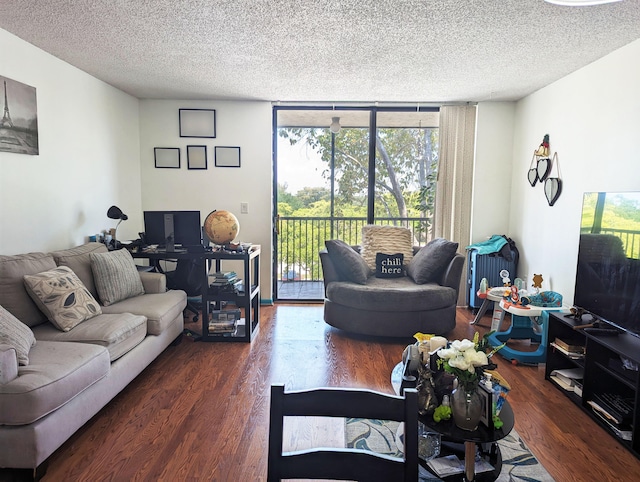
187 277
342 463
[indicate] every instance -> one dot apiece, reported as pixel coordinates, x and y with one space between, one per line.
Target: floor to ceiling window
333 176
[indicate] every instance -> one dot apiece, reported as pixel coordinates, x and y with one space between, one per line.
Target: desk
248 300
458 441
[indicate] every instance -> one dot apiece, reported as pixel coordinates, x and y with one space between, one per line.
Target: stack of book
615 411
569 379
572 349
224 322
225 282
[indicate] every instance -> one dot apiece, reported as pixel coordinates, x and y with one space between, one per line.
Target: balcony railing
630 240
300 240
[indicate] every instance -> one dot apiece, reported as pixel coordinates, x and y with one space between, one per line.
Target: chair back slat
343 463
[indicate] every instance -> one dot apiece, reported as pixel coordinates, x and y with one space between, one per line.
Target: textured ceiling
324 50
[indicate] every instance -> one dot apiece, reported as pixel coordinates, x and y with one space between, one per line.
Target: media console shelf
606 382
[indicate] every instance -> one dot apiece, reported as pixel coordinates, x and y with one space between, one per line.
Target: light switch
244 208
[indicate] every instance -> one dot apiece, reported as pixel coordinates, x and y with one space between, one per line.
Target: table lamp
114 212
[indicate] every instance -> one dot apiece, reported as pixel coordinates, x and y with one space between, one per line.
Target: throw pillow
349 264
389 265
62 297
17 335
116 276
388 240
428 263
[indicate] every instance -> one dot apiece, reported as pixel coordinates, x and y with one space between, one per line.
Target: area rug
518 463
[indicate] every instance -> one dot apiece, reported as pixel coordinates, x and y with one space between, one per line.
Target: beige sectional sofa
71 373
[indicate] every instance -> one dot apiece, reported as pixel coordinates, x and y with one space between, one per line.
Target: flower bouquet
467 360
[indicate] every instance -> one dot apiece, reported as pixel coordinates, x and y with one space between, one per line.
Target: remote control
602 331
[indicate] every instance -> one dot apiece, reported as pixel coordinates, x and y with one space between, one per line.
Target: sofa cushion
17 335
429 263
57 373
350 264
117 333
116 276
388 240
79 260
389 265
398 294
13 294
160 309
62 297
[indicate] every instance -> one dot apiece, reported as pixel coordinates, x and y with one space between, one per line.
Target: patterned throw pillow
17 335
62 297
116 276
388 240
389 265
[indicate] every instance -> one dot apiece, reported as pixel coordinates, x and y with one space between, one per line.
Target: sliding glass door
333 176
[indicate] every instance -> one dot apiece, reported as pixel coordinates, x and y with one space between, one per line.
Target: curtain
454 187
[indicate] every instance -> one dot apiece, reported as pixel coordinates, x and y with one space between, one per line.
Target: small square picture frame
196 157
166 157
486 398
197 123
227 156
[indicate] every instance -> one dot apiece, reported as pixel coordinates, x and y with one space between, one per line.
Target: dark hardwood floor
200 411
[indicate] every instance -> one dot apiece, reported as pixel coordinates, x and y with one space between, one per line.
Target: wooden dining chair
342 463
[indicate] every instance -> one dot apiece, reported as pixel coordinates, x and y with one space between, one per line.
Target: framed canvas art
167 157
227 156
19 123
196 157
197 122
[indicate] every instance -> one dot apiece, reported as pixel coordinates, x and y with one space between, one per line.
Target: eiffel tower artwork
18 133
6 117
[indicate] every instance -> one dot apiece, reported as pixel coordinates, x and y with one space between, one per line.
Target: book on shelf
224 318
570 354
571 346
223 274
623 434
569 379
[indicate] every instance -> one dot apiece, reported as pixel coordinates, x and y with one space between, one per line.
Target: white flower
462 355
476 358
462 345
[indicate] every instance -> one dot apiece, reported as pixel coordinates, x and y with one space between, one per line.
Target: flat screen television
608 272
173 228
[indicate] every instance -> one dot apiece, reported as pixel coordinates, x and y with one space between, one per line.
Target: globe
221 227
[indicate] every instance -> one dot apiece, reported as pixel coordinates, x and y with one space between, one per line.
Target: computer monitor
170 228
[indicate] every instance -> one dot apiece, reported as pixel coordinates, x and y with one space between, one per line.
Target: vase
466 406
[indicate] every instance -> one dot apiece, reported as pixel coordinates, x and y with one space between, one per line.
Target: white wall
239 124
88 160
593 118
493 166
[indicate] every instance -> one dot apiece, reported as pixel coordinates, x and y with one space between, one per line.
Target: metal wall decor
540 164
553 184
197 122
540 171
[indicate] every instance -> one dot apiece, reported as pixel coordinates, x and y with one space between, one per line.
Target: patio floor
300 290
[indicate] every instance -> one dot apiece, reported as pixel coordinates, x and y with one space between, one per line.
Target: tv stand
608 363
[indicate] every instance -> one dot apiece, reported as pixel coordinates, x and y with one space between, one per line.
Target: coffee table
458 441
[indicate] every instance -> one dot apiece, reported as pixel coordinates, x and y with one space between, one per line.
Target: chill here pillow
389 265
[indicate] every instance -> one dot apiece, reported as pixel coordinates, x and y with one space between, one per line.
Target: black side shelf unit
248 300
610 365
